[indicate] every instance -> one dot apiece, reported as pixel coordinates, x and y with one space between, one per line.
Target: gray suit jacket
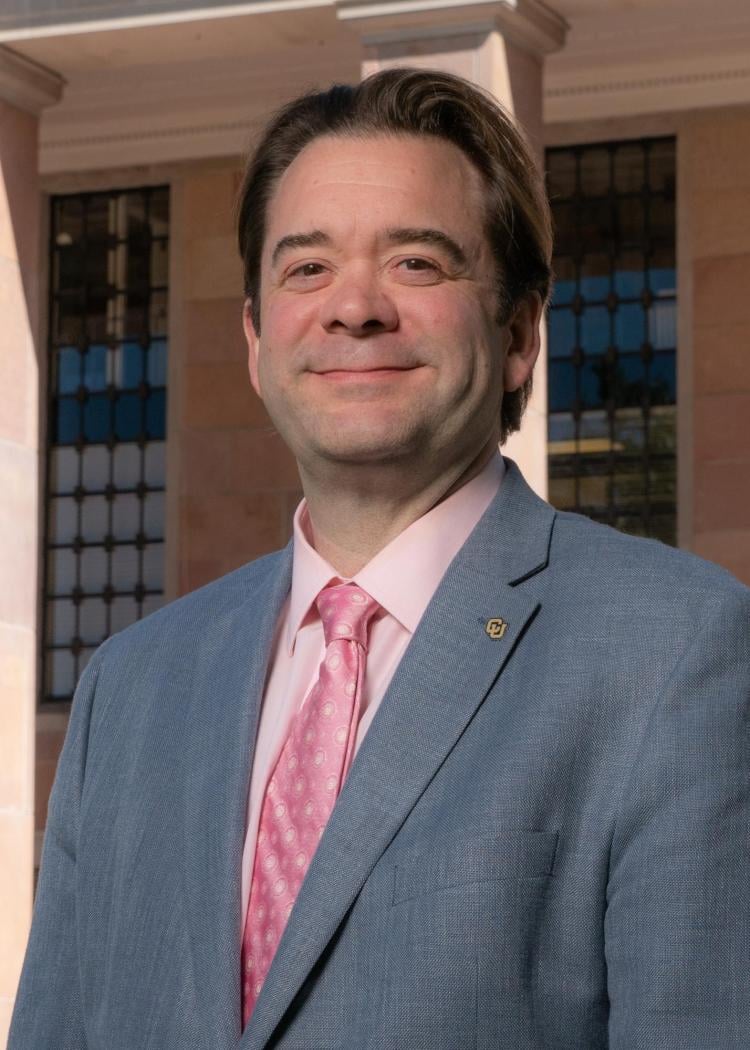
543 841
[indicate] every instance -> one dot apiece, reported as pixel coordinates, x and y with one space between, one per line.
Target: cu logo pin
496 627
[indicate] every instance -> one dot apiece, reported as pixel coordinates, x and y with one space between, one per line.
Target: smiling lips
354 373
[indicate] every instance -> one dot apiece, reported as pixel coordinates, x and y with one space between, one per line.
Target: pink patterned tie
303 787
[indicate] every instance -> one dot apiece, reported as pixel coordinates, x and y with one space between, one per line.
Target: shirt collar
405 574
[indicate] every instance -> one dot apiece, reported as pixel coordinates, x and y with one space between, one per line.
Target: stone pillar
499 46
24 90
234 484
714 365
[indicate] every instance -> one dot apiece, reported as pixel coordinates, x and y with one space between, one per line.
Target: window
105 479
612 334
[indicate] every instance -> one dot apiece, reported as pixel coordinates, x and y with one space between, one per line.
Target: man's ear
253 345
524 342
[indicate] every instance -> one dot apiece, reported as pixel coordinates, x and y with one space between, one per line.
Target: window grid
105 476
612 334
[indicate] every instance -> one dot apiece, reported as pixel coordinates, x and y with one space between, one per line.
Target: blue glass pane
96 418
563 292
594 424
131 362
595 287
157 363
561 328
595 329
127 417
663 379
68 420
630 326
68 370
95 368
562 385
629 283
156 414
593 382
662 324
562 427
630 381
663 280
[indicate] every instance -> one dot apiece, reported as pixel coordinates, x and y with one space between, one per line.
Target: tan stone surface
49 742
728 547
715 236
19 208
236 460
720 294
44 777
213 330
18 535
6 1012
721 355
261 460
221 395
17 680
721 221
722 427
16 880
209 202
718 145
233 527
722 496
206 466
212 268
20 205
194 574
18 362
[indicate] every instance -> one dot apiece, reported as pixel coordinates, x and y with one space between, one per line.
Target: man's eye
306 270
416 263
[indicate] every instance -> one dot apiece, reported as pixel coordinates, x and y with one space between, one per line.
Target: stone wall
237 483
714 190
19 422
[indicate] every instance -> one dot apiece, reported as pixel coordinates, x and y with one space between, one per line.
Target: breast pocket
509 855
466 906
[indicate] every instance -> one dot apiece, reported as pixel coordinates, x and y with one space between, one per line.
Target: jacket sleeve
48 1012
677 924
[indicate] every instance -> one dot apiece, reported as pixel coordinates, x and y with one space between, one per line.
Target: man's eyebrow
313 239
425 235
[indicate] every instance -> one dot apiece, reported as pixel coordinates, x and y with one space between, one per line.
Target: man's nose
359 305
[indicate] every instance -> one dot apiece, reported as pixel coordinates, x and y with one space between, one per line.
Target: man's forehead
394 181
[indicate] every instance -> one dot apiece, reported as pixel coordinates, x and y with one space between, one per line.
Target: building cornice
649 62
528 23
27 85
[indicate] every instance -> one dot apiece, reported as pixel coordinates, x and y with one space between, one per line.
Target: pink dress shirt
402 578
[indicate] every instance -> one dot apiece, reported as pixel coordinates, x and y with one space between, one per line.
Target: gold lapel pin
496 627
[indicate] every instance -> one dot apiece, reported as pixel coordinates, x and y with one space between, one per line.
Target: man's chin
363 450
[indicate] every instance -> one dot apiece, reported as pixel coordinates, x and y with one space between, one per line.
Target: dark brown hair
418 102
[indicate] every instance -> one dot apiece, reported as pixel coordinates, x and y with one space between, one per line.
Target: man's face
379 338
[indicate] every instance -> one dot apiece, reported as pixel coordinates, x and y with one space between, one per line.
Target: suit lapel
445 674
221 723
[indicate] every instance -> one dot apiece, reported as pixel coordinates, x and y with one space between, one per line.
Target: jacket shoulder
186 618
644 566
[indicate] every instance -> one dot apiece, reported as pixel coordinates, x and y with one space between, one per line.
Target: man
453 770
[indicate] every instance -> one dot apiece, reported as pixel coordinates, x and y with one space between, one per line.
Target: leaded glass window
612 334
105 477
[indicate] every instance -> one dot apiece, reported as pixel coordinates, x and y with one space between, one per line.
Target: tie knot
346 611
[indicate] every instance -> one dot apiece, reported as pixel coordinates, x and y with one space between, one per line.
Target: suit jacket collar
444 676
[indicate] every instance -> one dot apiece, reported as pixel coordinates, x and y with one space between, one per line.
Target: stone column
714 366
234 484
499 46
24 89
